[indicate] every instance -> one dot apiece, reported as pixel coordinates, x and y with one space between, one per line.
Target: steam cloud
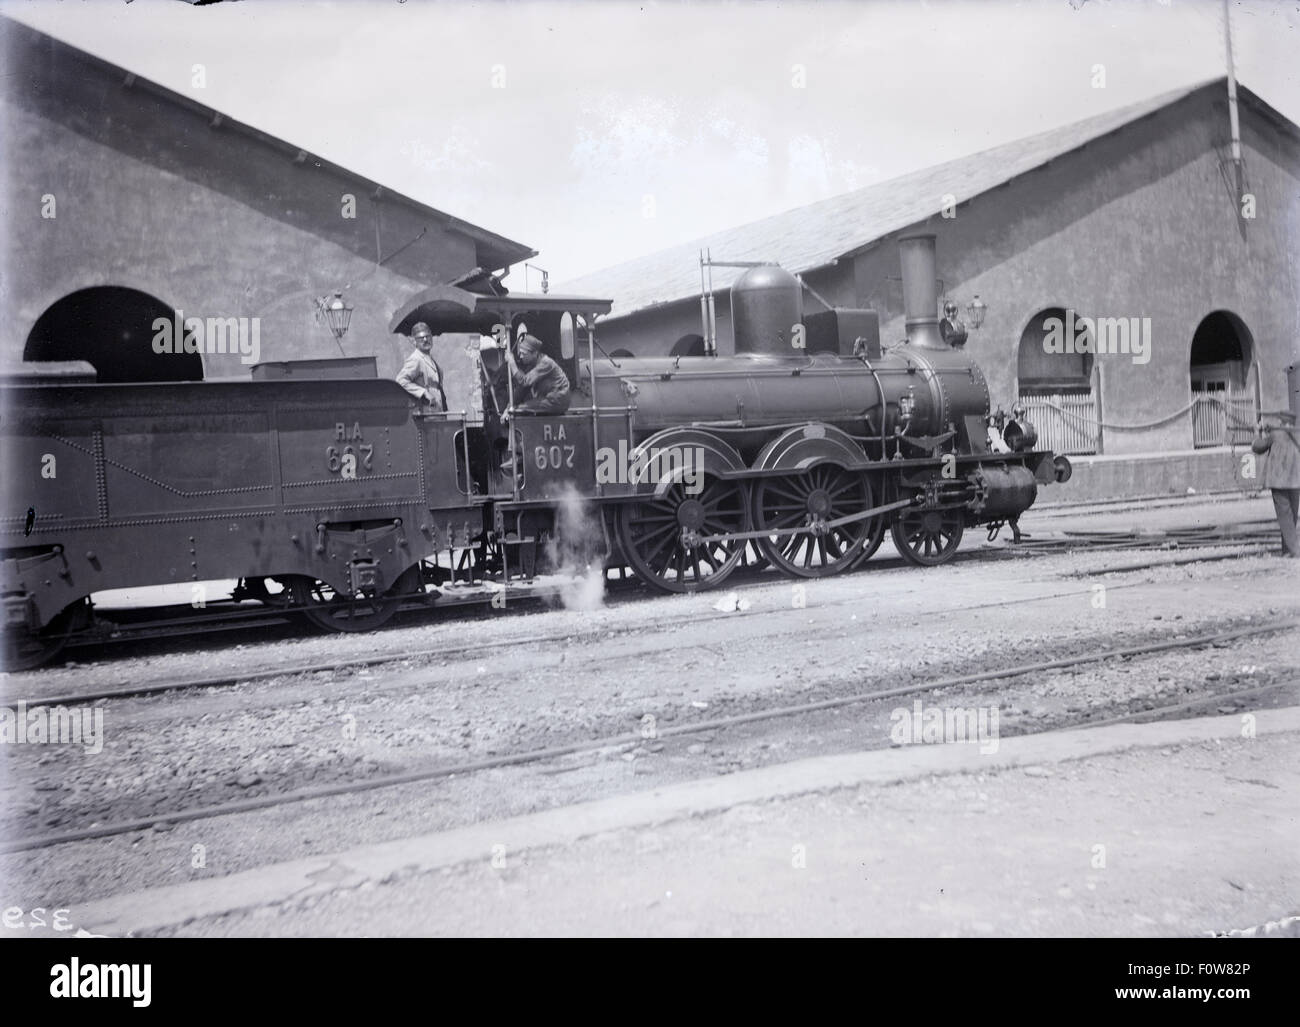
577 553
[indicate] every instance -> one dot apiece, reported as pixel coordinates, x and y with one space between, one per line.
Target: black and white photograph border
864 506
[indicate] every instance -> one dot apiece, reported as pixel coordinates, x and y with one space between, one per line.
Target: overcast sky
553 123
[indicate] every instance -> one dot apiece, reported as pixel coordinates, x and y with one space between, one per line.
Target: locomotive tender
320 489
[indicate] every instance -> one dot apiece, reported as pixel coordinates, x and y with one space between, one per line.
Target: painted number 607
553 457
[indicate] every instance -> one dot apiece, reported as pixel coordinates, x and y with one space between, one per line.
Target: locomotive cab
549 454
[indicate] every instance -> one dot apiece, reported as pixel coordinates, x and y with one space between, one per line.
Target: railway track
536 755
568 636
1238 544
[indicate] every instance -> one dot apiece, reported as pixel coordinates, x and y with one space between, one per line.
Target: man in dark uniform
951 329
541 386
1282 474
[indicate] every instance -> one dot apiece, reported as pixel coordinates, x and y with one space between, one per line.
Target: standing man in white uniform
420 375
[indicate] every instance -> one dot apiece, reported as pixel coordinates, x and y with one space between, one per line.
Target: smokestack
920 292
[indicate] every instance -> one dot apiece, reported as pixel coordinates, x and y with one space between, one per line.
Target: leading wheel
813 500
334 612
662 537
928 537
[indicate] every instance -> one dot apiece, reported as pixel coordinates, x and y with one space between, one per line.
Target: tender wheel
23 650
661 536
928 537
326 609
824 494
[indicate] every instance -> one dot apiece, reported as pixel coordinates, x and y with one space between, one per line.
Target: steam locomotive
320 489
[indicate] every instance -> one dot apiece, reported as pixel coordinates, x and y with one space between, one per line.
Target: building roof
817 234
494 251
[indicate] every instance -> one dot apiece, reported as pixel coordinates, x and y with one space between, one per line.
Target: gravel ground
609 670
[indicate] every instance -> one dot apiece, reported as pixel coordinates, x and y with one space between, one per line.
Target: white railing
1066 421
1220 417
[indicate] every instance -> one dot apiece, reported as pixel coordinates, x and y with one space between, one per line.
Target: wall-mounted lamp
336 312
975 311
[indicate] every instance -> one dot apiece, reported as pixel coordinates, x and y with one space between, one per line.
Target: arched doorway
1054 375
1223 399
111 328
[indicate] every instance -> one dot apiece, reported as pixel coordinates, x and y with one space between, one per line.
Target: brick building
125 202
1131 214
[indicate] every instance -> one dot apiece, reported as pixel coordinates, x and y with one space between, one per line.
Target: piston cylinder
1002 492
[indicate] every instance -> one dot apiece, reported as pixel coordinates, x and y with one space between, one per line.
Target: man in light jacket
420 375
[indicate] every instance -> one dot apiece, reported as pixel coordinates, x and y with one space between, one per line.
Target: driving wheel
663 537
813 500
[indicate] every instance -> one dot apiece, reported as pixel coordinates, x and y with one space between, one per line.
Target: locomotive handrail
808 369
884 403
442 415
875 511
741 427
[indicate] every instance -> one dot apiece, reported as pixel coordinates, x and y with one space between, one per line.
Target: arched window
1224 405
1055 353
1221 348
1054 369
112 328
688 346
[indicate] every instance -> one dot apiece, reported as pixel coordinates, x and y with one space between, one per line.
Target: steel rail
615 741
231 680
1158 710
